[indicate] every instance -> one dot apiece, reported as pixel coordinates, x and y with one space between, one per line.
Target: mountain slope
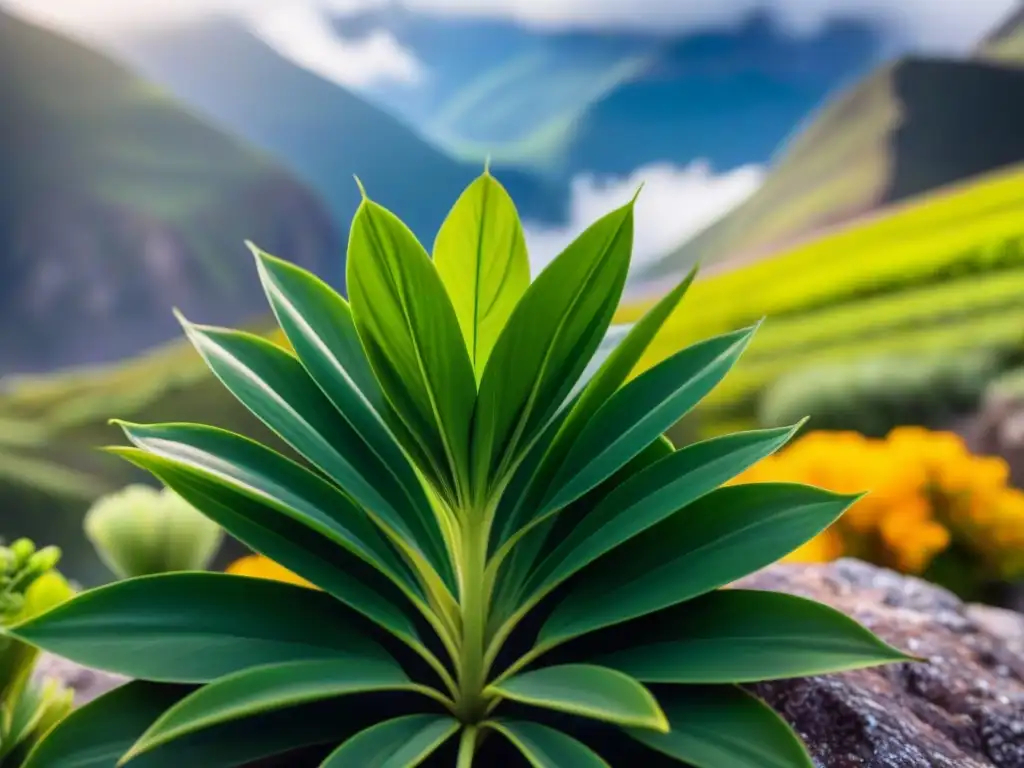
320 130
117 205
909 128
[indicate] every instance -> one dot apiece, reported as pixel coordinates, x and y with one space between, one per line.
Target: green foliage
508 553
29 707
139 531
874 396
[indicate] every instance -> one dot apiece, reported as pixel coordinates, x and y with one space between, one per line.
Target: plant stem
475 599
467 746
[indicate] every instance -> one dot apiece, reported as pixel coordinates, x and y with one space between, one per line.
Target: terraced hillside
117 204
911 127
941 276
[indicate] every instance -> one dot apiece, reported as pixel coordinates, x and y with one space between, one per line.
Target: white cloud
304 34
926 24
675 204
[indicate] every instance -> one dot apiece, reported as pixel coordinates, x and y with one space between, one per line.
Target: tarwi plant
513 566
29 707
140 531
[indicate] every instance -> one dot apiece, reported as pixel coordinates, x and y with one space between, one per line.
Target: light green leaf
265 689
293 542
554 330
641 411
195 627
747 636
275 387
649 496
99 733
319 325
240 466
480 254
404 742
411 335
724 728
544 747
586 690
721 537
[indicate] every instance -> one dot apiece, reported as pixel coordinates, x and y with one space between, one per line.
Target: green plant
140 531
29 707
872 396
511 559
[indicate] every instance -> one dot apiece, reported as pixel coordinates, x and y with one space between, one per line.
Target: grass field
943 274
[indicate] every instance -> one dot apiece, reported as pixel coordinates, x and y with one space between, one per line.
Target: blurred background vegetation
862 191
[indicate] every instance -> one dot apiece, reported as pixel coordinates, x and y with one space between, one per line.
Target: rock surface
962 708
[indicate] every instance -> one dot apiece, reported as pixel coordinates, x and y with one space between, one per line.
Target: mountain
610 101
324 133
1006 42
911 127
118 204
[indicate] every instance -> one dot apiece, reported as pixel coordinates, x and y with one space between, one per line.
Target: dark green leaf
724 728
586 690
745 636
404 742
242 467
290 542
642 410
719 538
554 330
269 688
480 255
613 371
276 388
195 627
411 335
99 733
321 329
649 496
545 747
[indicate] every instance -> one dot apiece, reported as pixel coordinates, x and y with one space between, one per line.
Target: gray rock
961 708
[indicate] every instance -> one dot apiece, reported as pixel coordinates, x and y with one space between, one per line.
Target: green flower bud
43 560
140 530
22 550
7 563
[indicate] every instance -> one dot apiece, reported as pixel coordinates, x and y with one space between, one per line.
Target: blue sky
677 201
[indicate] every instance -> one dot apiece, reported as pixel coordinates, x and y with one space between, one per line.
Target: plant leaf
243 467
746 636
721 537
320 327
97 734
411 335
641 411
554 330
275 387
586 690
290 542
269 688
195 627
404 742
649 496
619 361
724 728
480 254
100 733
545 747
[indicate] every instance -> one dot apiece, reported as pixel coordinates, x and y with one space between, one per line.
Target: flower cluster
927 496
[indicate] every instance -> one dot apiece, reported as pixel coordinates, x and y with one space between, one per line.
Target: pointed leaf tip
636 194
487 165
362 189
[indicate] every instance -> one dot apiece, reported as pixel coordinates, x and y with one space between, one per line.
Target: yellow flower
260 567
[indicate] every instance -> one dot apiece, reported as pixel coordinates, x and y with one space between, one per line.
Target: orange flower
260 567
